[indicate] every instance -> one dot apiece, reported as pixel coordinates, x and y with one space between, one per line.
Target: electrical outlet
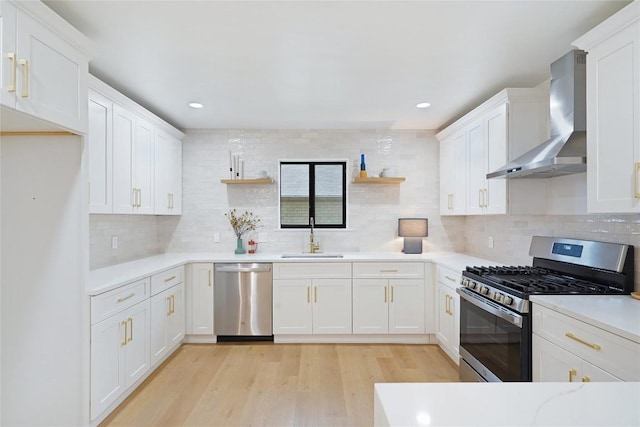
262 237
114 242
216 237
490 242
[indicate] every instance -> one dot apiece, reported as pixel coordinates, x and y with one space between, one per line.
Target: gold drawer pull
388 271
450 278
572 372
308 298
25 76
210 277
124 342
169 279
12 87
131 295
130 322
385 294
588 344
586 379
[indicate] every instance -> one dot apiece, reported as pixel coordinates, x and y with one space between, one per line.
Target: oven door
494 340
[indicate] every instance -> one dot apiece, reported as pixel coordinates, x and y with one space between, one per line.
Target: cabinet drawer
106 305
405 270
166 279
316 270
612 353
449 277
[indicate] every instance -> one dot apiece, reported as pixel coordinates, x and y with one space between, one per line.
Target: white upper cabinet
43 74
100 144
135 164
168 174
613 113
499 130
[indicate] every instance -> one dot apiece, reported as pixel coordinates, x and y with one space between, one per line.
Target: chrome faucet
313 246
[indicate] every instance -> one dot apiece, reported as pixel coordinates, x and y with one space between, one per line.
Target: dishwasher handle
243 269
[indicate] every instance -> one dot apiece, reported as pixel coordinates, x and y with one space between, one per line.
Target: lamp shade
413 227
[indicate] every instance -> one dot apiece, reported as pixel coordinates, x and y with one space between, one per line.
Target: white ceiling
325 64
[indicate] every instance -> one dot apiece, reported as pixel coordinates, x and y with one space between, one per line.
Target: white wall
45 323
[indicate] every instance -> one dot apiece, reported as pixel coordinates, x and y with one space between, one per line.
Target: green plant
242 223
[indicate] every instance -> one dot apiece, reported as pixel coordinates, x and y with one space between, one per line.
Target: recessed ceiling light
423 105
195 105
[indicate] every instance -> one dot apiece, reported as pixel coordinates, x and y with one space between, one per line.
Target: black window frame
312 194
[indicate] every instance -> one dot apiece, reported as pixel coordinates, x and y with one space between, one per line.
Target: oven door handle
490 308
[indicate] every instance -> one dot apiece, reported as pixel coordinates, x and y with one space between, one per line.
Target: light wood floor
270 384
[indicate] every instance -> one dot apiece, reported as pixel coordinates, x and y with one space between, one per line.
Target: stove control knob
484 290
498 297
508 300
472 284
464 282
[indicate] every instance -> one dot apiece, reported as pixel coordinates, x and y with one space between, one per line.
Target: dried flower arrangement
242 223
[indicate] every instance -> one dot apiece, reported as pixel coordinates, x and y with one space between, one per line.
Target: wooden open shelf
372 180
247 181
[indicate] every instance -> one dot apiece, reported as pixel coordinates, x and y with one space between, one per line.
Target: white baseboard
200 339
356 339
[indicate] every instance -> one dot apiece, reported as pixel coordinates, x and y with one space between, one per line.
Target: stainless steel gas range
495 320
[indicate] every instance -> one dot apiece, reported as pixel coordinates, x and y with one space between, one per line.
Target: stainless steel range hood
565 152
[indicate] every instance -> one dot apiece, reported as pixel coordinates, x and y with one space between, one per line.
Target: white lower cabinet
566 349
388 298
119 355
200 299
312 298
167 321
448 308
554 364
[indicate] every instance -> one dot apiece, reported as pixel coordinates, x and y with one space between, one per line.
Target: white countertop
507 404
618 314
108 278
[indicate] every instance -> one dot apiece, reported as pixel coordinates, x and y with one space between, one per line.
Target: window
315 190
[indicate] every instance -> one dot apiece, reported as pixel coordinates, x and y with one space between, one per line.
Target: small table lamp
413 230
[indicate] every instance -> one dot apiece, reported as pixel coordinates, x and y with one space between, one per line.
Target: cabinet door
448 332
175 181
476 167
160 312
591 373
494 196
332 306
175 327
108 340
447 175
100 139
370 306
406 306
52 76
143 165
123 135
292 311
551 363
201 295
8 64
162 201
613 124
137 348
459 171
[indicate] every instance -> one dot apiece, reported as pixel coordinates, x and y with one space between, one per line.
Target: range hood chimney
565 152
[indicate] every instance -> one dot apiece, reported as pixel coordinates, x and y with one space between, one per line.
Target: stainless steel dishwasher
243 300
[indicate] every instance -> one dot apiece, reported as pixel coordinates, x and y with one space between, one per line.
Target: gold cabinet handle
169 306
581 341
139 197
210 277
391 293
131 295
173 304
130 321
586 379
572 372
25 73
388 271
385 294
446 303
450 279
636 174
315 294
480 198
135 197
308 295
12 57
124 342
484 192
169 279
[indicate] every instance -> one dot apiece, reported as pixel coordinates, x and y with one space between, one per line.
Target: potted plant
241 224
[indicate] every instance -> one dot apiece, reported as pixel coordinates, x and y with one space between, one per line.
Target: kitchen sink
312 255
